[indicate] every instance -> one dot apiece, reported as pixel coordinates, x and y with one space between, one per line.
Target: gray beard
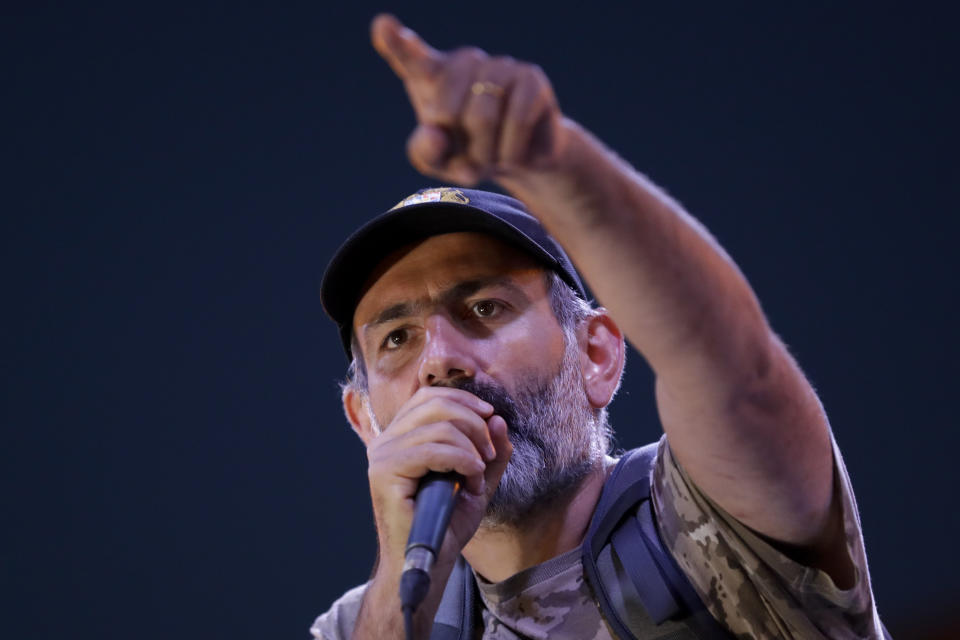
557 437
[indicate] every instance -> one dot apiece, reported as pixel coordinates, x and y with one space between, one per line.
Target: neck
498 552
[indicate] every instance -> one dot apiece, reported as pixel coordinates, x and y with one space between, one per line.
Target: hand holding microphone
436 498
450 442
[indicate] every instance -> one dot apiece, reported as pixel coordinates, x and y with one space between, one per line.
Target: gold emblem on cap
440 194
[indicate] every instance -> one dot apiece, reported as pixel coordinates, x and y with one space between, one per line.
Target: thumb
406 53
428 148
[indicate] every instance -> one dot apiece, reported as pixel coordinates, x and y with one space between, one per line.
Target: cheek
382 413
386 399
533 344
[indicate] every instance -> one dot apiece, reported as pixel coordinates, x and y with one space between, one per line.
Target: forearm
737 410
676 294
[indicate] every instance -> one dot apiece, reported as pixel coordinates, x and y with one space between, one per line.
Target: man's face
467 310
457 305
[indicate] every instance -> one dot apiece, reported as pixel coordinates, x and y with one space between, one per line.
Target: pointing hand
479 116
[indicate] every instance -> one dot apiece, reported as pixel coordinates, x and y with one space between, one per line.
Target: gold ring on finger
479 88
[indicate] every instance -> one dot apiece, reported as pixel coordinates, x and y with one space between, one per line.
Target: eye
395 339
486 308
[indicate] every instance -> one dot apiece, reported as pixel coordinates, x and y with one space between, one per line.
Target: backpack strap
699 619
454 618
624 520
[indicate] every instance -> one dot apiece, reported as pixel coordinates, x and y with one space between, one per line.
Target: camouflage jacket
750 587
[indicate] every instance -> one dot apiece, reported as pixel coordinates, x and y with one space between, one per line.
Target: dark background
175 461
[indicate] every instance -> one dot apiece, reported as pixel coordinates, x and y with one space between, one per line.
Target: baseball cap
426 213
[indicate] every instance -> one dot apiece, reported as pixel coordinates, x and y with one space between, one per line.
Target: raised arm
738 413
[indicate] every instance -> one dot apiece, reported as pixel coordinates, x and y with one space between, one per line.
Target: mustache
503 403
523 427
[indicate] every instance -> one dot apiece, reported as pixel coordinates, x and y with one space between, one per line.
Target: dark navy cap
431 212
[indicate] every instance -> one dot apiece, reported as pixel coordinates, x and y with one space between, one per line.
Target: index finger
476 404
406 52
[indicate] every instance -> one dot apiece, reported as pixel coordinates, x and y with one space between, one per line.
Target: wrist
573 189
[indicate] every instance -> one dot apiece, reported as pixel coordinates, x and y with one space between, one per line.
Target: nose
446 355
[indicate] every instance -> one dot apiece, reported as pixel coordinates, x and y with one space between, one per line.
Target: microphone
435 499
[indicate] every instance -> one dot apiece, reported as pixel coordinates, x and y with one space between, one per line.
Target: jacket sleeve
747 584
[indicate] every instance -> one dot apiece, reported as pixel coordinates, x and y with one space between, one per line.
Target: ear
602 354
355 408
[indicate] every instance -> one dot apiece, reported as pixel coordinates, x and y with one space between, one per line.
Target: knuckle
374 451
473 54
374 474
413 155
481 154
425 400
477 119
471 461
445 430
528 116
457 433
545 95
535 71
441 404
504 64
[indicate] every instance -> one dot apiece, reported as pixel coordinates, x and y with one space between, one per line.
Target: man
475 353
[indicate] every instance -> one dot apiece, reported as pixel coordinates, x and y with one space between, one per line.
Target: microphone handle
431 515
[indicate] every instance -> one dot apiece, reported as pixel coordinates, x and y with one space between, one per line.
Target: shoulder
630 466
746 582
338 622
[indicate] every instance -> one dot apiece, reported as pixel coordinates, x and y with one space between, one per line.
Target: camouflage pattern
749 586
550 600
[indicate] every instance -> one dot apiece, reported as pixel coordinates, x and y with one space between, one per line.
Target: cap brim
348 272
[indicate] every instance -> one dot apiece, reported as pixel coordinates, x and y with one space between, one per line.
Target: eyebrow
394 312
456 292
